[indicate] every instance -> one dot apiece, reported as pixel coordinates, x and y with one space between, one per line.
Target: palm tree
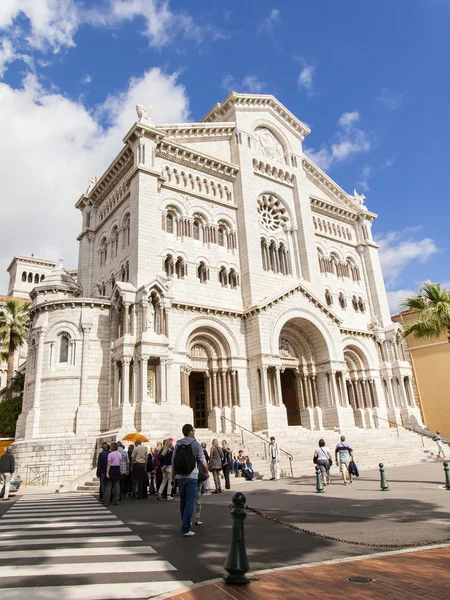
432 305
14 324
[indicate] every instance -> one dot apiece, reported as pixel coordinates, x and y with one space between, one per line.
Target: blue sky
369 78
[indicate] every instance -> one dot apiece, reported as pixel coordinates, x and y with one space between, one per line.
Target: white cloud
52 145
348 119
269 23
389 99
163 26
46 26
87 79
398 249
305 78
250 83
363 182
350 140
52 23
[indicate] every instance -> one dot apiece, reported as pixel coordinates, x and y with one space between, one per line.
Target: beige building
430 361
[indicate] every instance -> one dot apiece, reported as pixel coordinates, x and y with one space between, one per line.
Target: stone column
126 380
144 307
126 317
215 390
344 389
265 385
279 392
225 401
306 392
334 390
299 390
314 390
235 388
208 391
85 365
162 380
116 384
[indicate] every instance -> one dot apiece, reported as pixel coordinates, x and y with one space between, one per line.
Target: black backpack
184 461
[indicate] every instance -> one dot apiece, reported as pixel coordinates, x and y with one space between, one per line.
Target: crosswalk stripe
14 519
65 552
58 525
86 568
38 505
75 502
104 539
81 530
103 591
56 511
35 500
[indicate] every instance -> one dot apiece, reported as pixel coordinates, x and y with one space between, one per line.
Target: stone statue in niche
150 317
151 382
285 349
268 146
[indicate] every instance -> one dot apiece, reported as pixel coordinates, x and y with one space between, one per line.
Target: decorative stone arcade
209 382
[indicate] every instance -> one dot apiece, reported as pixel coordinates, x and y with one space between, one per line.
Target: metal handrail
288 454
423 433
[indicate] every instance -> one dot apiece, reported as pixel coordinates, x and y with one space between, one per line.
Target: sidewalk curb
201 584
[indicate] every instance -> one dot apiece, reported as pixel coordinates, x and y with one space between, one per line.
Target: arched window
355 273
221 236
355 303
361 305
64 348
122 273
36 278
283 260
24 276
265 254
30 277
233 278
328 298
196 229
180 268
42 277
273 257
202 272
103 289
342 301
127 271
335 265
169 265
169 222
103 252
223 277
126 232
115 242
113 282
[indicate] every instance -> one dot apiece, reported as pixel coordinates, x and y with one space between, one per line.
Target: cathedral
223 279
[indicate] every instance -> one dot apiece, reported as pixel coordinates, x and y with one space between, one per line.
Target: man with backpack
187 455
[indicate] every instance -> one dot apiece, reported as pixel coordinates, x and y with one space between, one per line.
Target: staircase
370 447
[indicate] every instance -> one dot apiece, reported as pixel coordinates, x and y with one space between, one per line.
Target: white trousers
275 468
5 479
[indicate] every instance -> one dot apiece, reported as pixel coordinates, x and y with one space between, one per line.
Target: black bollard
319 484
383 482
236 563
447 476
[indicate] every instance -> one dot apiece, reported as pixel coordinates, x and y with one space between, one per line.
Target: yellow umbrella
132 437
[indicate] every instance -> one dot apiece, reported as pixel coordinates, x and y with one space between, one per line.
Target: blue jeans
103 481
188 492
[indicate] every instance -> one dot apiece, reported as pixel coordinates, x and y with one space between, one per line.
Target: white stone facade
221 274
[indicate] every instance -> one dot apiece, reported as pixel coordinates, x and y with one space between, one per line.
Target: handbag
202 476
330 462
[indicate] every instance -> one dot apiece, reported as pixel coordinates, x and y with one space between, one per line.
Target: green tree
18 383
10 410
432 306
14 324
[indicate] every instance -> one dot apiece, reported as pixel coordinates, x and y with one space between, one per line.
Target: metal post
236 563
319 484
447 476
383 483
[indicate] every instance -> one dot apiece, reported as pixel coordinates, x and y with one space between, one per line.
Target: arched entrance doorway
360 386
303 383
212 382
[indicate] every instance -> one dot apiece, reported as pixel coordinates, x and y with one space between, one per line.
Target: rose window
272 213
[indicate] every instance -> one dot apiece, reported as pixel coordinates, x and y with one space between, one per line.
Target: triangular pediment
296 289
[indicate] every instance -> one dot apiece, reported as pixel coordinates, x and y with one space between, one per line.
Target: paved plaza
69 546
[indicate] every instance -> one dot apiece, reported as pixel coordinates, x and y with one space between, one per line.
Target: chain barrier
336 539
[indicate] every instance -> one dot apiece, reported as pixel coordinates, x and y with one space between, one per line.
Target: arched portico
209 383
361 390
